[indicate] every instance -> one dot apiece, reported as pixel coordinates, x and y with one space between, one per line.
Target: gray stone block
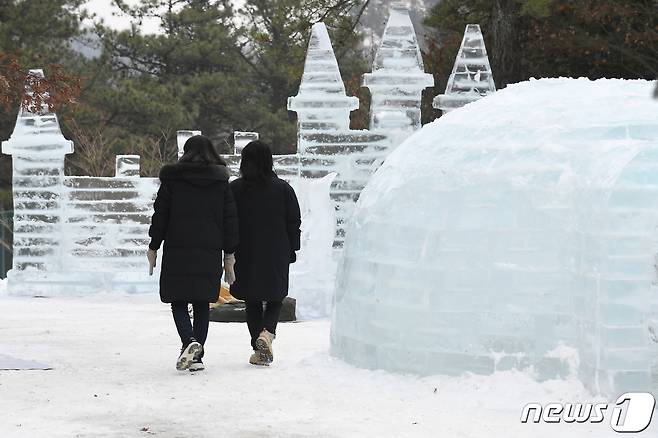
235 312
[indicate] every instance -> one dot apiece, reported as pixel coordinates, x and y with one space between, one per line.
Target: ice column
127 166
242 139
321 104
471 77
38 148
181 138
398 76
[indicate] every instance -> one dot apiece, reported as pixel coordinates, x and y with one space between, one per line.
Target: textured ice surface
506 229
471 77
398 77
321 102
312 276
127 165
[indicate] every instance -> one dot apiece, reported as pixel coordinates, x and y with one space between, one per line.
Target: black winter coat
269 219
195 216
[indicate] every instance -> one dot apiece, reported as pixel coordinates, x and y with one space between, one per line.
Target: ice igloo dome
517 232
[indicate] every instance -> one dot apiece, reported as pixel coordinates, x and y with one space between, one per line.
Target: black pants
183 324
259 318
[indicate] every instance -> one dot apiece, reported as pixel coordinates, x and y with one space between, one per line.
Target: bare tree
156 152
93 152
56 90
6 232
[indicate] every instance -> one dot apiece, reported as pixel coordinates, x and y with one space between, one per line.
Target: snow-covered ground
114 376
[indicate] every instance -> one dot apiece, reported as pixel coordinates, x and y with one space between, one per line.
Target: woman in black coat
269 221
195 216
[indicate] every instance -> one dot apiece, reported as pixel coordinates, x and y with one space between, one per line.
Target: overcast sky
105 10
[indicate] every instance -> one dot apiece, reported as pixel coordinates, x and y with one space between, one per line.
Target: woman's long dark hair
199 149
256 163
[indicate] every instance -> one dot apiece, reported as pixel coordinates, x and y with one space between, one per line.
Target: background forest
219 66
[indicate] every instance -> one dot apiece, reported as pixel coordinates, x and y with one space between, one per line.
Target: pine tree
550 38
215 68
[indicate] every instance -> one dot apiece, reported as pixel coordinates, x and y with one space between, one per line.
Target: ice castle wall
74 234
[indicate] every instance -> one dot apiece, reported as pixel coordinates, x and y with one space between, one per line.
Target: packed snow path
114 376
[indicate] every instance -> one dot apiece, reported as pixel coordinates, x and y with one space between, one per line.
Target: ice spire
36 132
471 77
322 102
398 76
38 148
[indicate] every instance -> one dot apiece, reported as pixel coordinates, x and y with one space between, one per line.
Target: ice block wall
74 233
471 78
519 232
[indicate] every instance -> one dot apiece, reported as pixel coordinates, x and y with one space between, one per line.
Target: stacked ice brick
74 233
519 231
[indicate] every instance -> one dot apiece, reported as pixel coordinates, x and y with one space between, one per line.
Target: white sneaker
196 365
264 345
188 355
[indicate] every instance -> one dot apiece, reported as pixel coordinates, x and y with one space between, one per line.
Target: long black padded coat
195 215
269 236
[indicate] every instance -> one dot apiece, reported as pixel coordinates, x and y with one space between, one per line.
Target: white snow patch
114 375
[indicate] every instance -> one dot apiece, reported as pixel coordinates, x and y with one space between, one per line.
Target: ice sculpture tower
526 240
321 103
398 76
471 78
38 148
325 141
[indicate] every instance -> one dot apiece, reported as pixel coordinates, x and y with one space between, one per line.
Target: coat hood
195 173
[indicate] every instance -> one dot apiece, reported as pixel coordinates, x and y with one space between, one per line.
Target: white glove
152 256
229 273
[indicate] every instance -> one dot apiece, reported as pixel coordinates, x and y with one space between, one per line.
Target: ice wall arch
508 230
